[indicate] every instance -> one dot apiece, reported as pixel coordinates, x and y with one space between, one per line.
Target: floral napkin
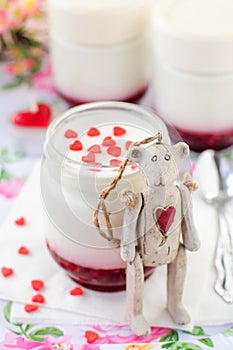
41 289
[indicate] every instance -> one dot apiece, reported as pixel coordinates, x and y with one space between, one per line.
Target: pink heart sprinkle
70 134
108 141
94 149
114 151
89 158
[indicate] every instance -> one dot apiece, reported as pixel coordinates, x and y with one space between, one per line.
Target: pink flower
15 15
13 341
11 188
129 337
20 66
30 7
3 21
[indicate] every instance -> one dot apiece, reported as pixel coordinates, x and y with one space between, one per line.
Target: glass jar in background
100 50
78 163
193 70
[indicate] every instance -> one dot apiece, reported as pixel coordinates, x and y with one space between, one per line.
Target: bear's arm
189 232
129 230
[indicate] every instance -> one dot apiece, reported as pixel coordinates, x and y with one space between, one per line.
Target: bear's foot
179 314
139 325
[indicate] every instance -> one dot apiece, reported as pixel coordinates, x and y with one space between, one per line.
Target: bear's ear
135 153
181 149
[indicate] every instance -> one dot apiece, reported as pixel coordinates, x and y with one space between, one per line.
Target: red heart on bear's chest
164 218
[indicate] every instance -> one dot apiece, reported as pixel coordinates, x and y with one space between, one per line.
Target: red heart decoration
128 144
164 218
70 134
76 146
115 162
30 307
108 141
118 131
89 158
7 271
76 291
23 250
114 151
20 222
38 298
37 284
94 149
93 132
91 336
39 118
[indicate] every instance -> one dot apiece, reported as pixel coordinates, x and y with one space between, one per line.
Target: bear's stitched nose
161 181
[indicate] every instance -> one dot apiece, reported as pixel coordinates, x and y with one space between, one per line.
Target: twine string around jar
101 206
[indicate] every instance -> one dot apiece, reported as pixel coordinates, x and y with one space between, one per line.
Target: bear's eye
154 158
167 157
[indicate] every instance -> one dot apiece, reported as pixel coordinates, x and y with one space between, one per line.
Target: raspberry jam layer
200 141
134 98
101 280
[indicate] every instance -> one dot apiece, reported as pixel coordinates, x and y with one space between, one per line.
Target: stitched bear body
157 230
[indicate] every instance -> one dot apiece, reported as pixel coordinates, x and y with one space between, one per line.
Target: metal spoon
215 178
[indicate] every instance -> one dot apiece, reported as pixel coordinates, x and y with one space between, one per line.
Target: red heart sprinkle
108 141
118 131
89 158
76 291
91 336
128 144
76 146
115 162
134 166
41 117
23 250
164 218
21 221
93 132
37 284
114 151
7 271
38 298
30 307
94 149
70 134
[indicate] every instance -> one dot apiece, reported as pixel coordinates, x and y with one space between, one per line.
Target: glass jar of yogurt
83 151
193 70
99 49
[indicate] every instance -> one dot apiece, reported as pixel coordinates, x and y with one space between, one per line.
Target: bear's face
159 163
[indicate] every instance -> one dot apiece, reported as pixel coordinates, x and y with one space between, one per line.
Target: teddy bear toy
157 228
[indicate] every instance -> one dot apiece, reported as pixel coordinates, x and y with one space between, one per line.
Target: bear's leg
176 272
134 289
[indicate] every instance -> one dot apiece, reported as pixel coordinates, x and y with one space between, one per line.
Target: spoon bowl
214 172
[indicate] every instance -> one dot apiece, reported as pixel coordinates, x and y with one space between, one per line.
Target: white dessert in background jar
83 152
193 70
99 49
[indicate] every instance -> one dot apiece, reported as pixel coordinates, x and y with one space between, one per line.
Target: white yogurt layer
107 73
71 185
200 18
199 103
195 35
99 22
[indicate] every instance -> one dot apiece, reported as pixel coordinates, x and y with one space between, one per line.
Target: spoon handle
224 257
